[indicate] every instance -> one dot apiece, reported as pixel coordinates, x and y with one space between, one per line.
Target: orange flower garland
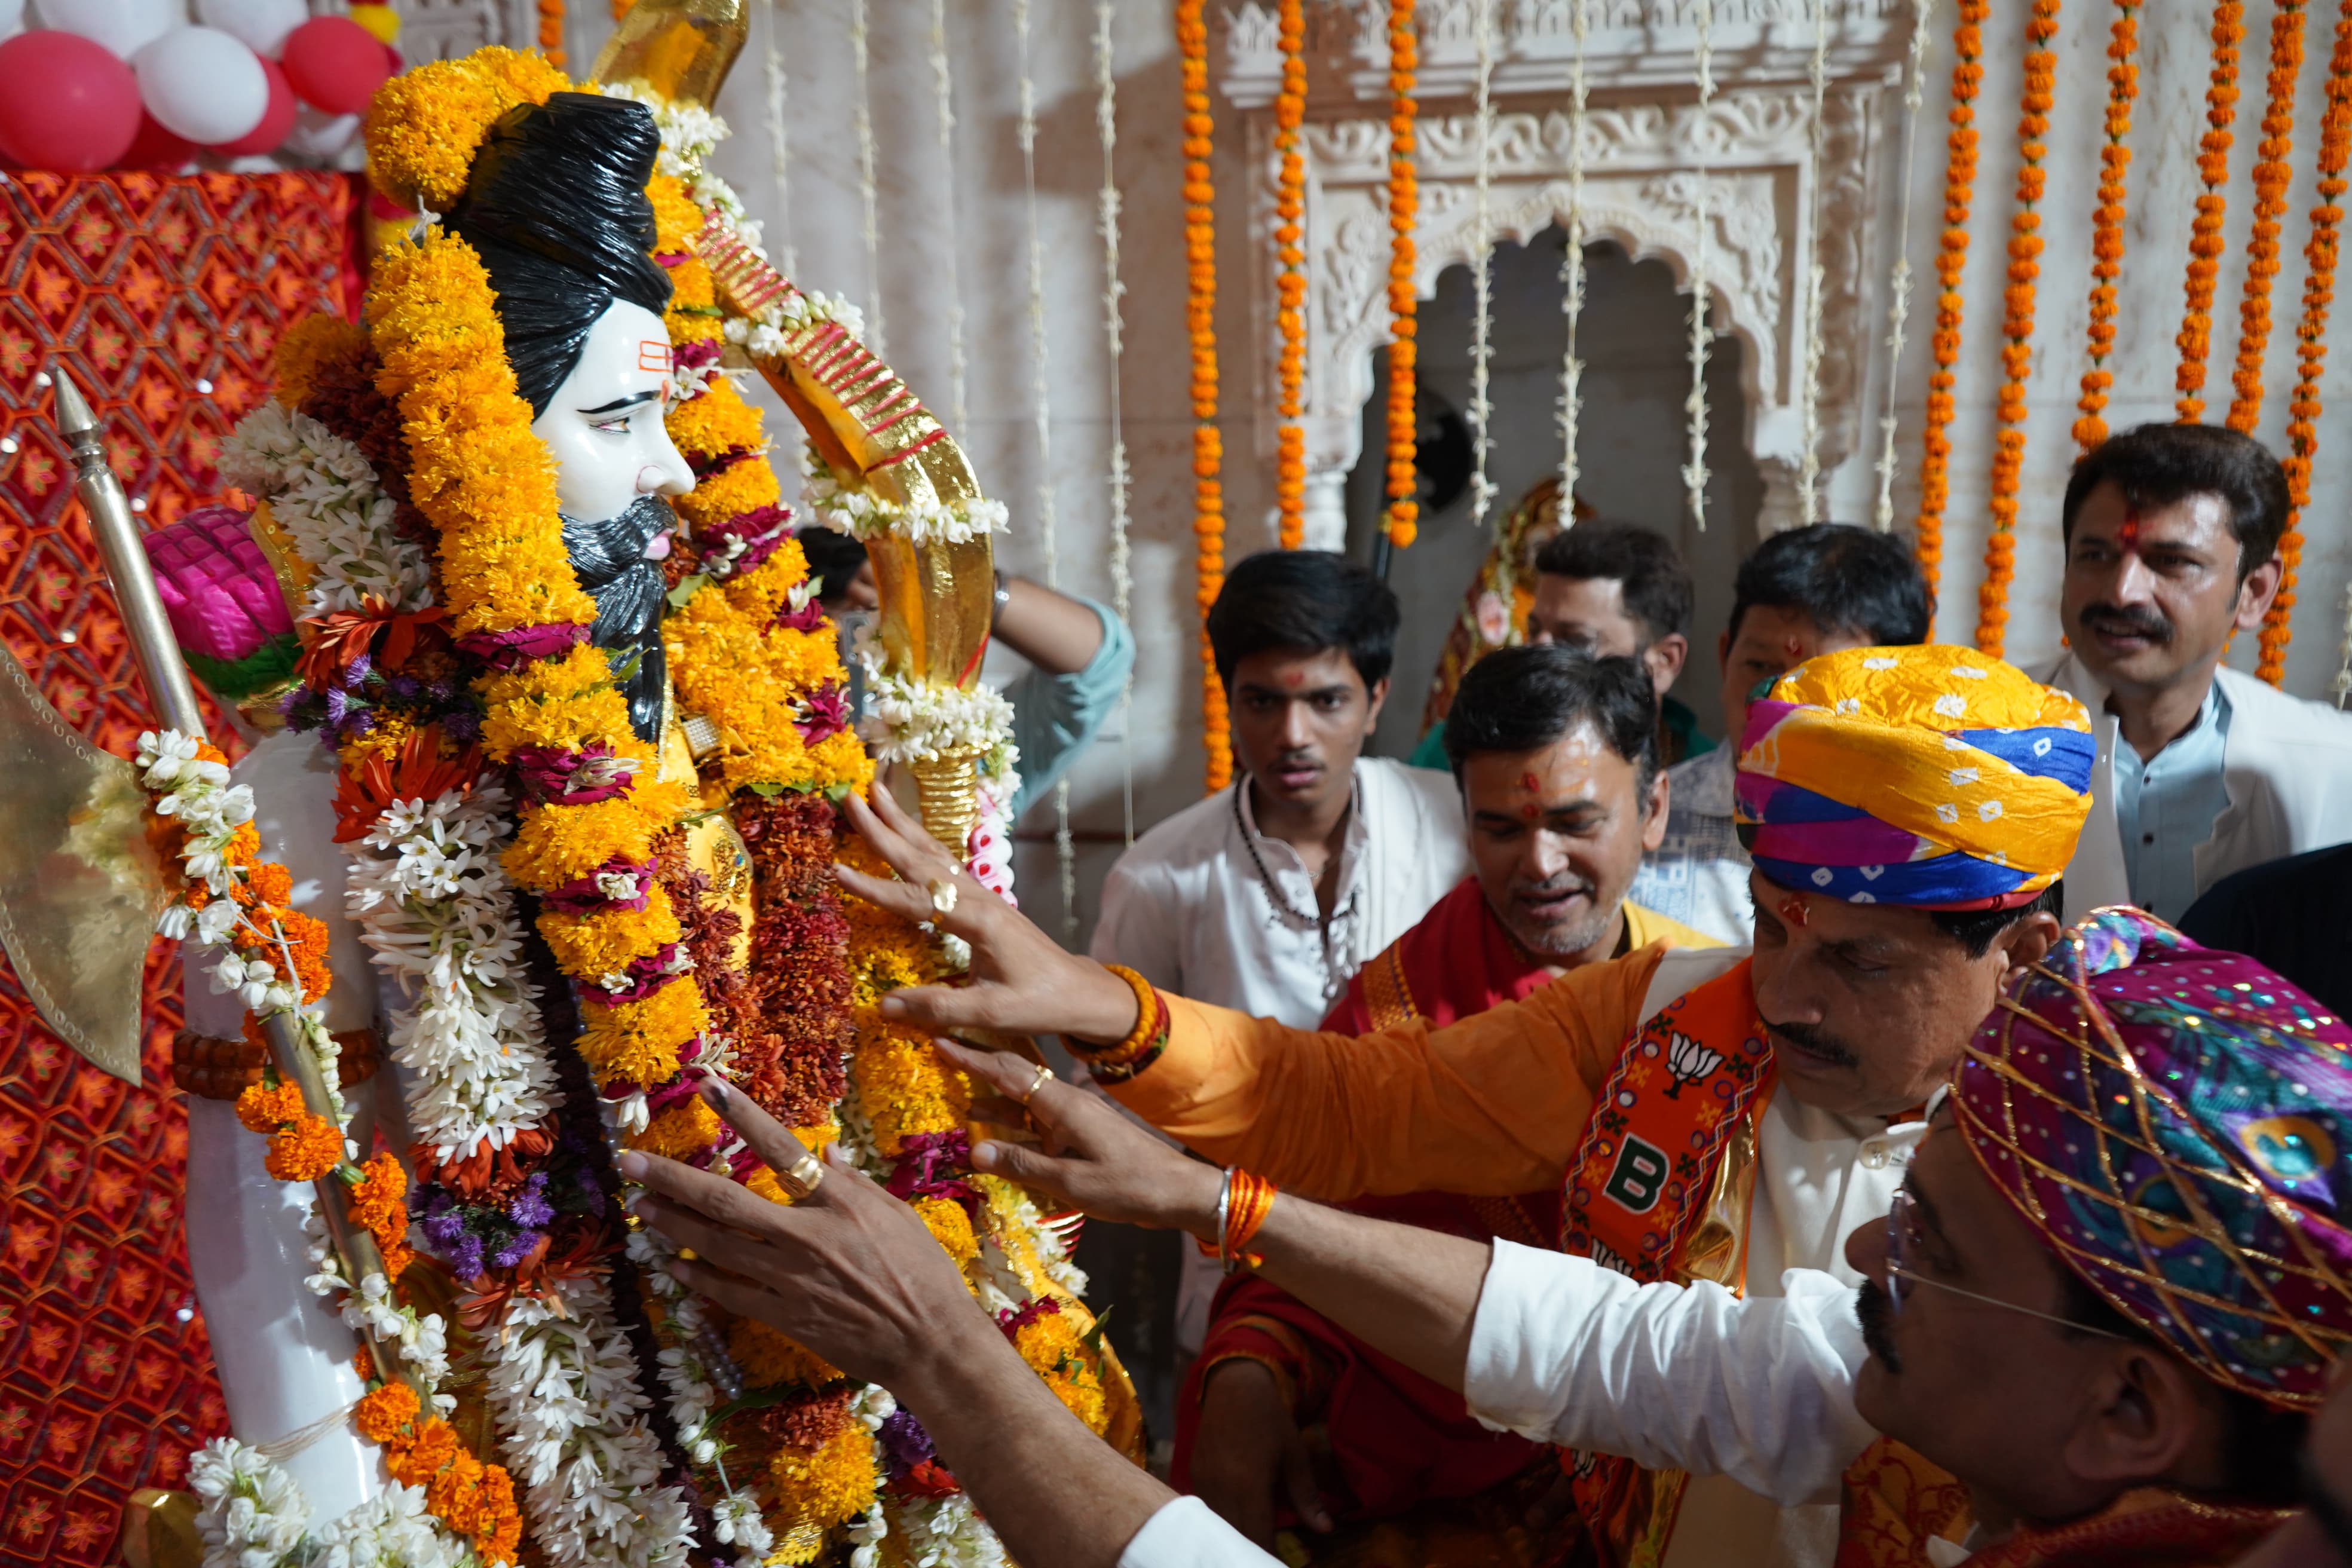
2016 327
2311 341
473 1498
1290 282
1201 320
1404 205
2270 177
2196 339
1951 261
550 31
2107 236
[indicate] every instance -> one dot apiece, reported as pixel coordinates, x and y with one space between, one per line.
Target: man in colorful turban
2134 1225
1708 1115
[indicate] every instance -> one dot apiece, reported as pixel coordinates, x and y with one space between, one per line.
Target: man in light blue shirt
2172 536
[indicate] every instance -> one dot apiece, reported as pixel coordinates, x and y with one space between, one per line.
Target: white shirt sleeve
1186 1535
1137 926
1673 1377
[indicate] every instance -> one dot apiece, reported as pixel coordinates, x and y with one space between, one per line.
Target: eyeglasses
1903 1239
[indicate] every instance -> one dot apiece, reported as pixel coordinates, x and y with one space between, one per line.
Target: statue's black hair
556 208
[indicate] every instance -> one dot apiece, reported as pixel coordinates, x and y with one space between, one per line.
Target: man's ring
943 894
803 1178
1037 1081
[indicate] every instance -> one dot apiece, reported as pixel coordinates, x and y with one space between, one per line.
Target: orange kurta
1490 1105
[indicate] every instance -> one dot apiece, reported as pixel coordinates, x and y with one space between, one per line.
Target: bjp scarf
1933 777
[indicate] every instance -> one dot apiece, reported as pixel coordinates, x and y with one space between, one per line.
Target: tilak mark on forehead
2130 535
653 355
1794 910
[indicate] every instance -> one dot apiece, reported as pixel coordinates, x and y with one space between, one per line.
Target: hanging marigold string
1951 261
2196 339
2270 177
2311 341
1809 399
1290 278
550 31
1404 207
1694 474
2016 326
2107 231
1201 320
1482 286
1122 577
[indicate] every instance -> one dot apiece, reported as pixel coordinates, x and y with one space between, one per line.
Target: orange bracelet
1141 1048
1243 1205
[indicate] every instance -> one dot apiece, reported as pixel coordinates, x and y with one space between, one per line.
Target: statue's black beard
609 559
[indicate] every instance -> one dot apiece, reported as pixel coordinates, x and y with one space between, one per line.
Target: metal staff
166 678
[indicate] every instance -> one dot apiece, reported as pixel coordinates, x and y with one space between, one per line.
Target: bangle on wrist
1122 1060
996 605
1244 1200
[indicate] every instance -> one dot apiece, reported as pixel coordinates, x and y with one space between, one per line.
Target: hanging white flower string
862 116
1122 580
943 87
1482 245
2344 670
1898 295
780 148
1809 404
1065 853
1571 270
1694 474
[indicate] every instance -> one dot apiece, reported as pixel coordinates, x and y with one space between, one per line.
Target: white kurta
1753 1393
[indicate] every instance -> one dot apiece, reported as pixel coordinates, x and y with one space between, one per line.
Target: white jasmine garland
323 493
252 1513
947 1533
573 1427
855 509
912 722
437 913
390 1529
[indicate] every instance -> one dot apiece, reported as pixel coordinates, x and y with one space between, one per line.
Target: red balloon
65 103
334 64
276 121
156 148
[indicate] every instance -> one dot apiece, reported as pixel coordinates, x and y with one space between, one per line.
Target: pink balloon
334 64
157 148
65 103
276 121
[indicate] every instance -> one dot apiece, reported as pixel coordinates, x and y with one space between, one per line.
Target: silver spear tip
75 420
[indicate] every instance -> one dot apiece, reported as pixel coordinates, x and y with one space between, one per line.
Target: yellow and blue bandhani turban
1933 777
2176 1124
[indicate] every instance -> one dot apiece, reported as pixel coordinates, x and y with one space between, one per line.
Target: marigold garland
2272 176
550 31
2016 327
1201 323
2107 234
1404 303
2311 342
2196 339
1951 261
1290 278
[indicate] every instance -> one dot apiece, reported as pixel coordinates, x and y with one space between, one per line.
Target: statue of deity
556 773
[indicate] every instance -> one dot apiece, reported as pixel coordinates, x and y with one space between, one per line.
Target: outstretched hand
849 1271
1021 981
1090 1157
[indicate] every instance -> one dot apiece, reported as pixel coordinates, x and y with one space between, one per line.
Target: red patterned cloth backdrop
164 298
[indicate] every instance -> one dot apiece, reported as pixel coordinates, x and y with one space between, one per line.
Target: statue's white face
605 423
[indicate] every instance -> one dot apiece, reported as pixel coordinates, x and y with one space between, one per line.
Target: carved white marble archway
1646 149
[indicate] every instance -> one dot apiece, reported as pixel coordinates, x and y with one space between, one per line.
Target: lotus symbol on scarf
1688 1061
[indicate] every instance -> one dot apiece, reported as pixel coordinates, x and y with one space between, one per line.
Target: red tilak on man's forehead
2131 529
1293 679
1793 910
1530 781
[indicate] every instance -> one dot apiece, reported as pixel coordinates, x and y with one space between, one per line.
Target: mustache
2135 621
1567 883
1875 1310
1816 1040
609 558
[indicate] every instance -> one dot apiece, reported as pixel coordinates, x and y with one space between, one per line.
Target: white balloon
201 84
260 25
122 27
319 135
